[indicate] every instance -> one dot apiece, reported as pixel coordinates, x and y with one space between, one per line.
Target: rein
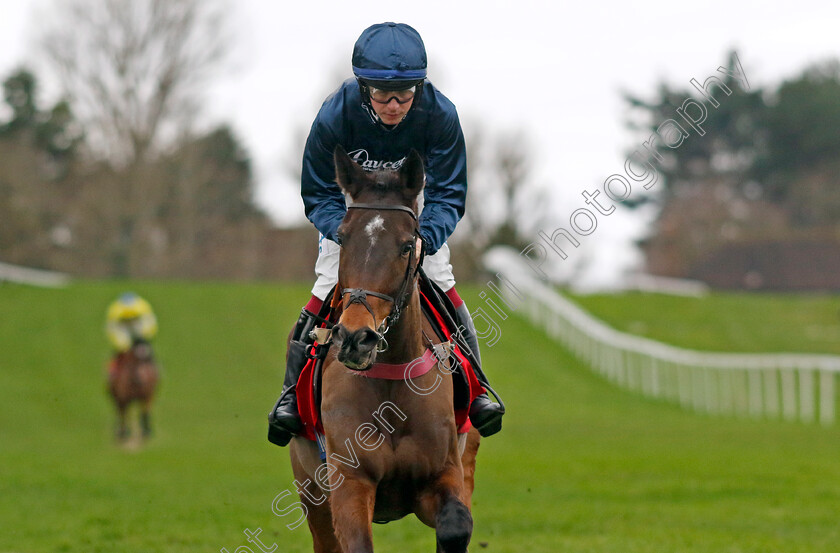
359 295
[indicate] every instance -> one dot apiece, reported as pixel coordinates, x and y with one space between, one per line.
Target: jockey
379 117
130 318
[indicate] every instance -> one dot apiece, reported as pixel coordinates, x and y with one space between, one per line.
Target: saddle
140 349
440 312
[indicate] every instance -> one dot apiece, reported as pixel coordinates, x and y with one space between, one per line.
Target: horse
390 451
133 377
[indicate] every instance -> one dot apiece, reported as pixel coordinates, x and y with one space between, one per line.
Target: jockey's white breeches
436 267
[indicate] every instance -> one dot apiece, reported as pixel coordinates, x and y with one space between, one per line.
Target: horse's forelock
385 181
385 186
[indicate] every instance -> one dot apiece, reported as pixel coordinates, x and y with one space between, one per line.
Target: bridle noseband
359 295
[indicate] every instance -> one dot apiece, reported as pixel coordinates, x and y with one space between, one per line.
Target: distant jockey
130 320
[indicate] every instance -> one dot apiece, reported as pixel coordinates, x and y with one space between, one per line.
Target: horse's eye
407 247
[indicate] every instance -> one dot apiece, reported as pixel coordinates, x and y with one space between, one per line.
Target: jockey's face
391 112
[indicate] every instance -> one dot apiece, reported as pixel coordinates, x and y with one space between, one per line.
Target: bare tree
133 69
505 205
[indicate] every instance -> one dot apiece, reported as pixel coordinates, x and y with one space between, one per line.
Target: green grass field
580 465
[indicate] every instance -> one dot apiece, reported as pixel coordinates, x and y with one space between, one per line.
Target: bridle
359 295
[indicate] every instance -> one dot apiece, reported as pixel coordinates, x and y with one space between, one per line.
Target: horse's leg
145 418
121 431
145 382
442 506
468 458
320 521
318 514
352 506
468 463
453 526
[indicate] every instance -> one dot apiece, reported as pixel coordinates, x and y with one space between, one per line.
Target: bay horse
390 451
133 377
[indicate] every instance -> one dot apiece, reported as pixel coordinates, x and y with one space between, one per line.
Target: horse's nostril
354 343
368 338
339 333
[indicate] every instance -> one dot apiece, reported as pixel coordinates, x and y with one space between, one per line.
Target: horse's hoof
454 527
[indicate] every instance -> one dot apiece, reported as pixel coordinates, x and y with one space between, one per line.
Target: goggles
384 96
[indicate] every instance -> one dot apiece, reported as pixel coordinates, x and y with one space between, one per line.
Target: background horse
391 450
133 378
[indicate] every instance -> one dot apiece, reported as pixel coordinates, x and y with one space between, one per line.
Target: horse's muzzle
356 348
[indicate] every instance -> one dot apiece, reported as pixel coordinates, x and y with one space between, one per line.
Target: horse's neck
405 338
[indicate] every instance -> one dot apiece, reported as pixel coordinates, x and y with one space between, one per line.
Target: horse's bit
359 295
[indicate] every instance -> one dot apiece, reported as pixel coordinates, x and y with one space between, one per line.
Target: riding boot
283 420
485 414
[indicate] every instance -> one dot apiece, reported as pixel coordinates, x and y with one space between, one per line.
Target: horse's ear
414 174
349 176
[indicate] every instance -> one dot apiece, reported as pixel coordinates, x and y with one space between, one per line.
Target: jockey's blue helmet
128 298
390 56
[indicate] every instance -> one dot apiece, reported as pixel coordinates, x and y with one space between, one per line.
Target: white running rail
788 386
34 277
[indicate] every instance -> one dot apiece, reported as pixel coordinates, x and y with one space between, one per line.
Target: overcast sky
552 69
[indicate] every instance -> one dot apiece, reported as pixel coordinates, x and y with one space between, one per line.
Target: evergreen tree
766 168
